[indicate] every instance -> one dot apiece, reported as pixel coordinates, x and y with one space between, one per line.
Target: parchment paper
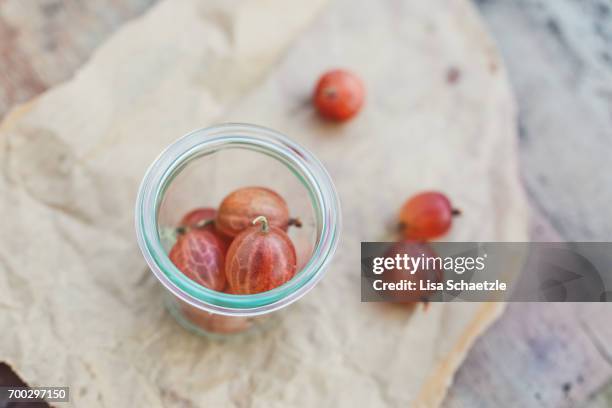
79 308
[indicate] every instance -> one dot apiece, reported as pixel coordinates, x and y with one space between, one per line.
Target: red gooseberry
216 323
203 219
260 258
199 255
239 208
426 215
431 272
339 95
199 217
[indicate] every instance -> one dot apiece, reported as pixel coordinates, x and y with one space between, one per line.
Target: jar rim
299 160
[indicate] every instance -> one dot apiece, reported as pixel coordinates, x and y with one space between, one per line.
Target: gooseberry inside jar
199 171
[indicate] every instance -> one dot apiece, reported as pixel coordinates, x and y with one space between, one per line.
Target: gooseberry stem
203 223
265 227
296 222
200 224
455 212
330 91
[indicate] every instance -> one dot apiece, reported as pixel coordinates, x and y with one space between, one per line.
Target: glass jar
201 168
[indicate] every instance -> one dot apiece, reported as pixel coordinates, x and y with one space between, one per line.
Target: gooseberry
216 323
428 271
198 218
240 207
199 255
426 215
339 95
260 258
203 219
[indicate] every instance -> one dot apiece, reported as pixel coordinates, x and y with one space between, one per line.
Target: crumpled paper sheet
78 306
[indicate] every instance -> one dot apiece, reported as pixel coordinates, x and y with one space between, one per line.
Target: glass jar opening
231 140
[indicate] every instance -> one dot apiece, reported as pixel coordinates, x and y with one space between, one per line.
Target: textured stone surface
43 42
557 53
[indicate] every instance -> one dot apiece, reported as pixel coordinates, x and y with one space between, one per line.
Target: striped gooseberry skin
203 218
199 255
339 95
426 215
259 259
241 207
198 216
